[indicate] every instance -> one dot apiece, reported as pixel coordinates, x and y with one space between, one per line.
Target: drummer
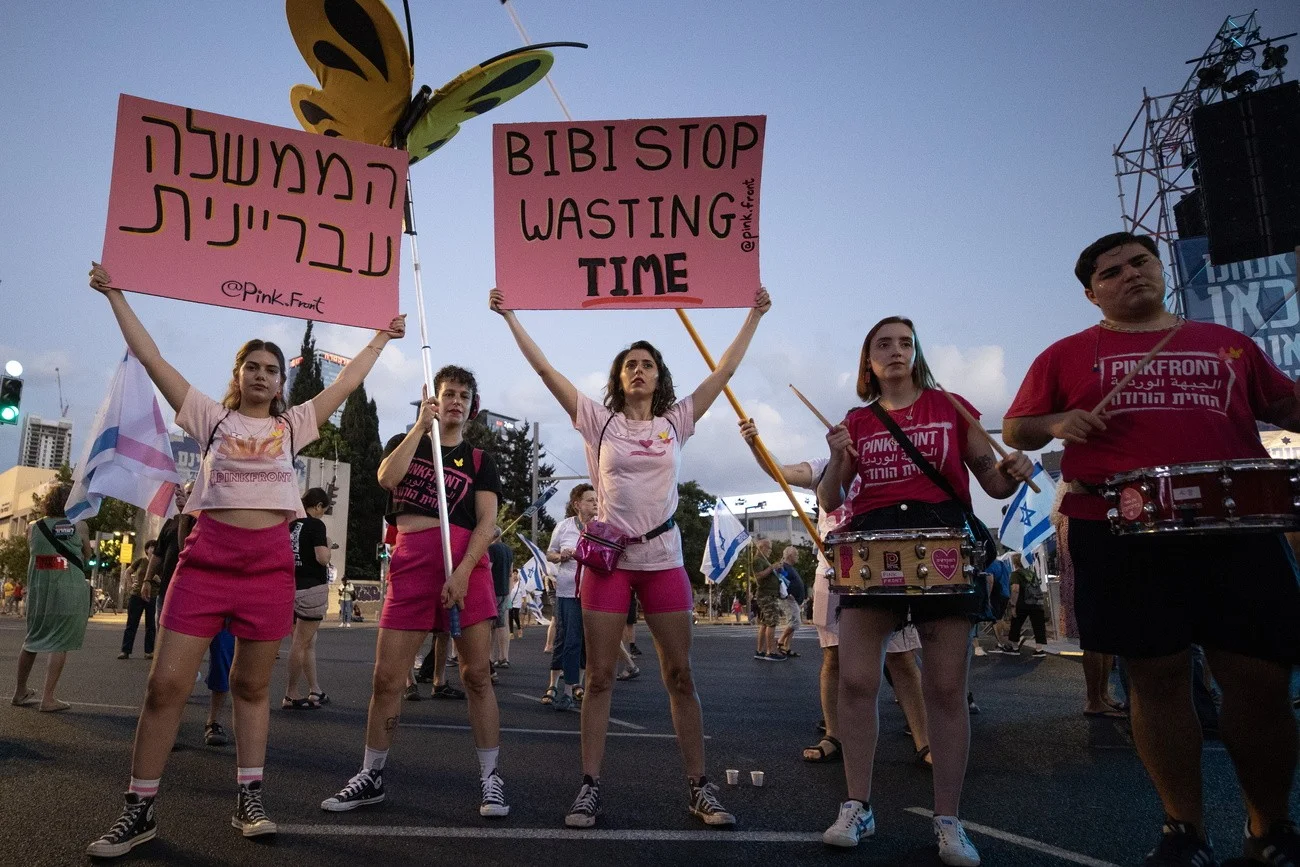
874 485
1148 598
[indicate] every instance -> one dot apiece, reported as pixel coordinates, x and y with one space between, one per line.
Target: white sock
374 760
487 762
144 788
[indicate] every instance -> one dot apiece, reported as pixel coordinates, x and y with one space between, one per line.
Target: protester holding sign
876 485
633 444
237 565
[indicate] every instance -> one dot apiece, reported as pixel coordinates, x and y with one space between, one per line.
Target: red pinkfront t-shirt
886 475
1196 401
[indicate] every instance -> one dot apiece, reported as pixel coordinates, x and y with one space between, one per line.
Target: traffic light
11 395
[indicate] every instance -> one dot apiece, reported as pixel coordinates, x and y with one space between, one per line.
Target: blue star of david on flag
1027 523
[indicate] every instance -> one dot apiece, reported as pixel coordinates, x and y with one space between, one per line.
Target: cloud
977 373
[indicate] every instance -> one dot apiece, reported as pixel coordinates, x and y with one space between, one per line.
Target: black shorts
1150 596
914 515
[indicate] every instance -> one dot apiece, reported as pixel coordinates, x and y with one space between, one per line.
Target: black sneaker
136 825
422 678
412 693
365 788
705 805
586 807
1181 846
448 691
758 654
250 818
633 649
1279 847
214 735
1005 649
1040 653
494 797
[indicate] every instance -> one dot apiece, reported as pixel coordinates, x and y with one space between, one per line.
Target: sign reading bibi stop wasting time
628 213
224 211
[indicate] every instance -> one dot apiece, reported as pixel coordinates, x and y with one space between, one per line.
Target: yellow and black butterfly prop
358 55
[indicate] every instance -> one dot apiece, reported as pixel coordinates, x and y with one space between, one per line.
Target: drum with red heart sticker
938 560
1217 497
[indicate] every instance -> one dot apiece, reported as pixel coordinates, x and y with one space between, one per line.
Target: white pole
426 357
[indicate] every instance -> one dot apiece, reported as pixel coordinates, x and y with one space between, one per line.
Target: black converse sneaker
136 825
704 804
494 797
365 788
1279 847
586 807
250 818
1181 845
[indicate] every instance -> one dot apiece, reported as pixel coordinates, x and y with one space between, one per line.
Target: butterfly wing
474 92
358 55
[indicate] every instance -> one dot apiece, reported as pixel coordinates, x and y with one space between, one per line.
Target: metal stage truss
1155 161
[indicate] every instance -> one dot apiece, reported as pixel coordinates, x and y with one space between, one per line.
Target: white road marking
1026 842
719 836
617 722
534 731
113 706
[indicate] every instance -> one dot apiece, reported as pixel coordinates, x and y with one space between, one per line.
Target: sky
944 161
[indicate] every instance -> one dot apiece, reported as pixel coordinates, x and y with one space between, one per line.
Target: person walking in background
503 563
569 655
311 559
795 594
58 599
1027 603
767 592
633 444
346 594
140 601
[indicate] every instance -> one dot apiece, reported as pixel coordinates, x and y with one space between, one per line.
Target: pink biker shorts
227 573
416 579
659 592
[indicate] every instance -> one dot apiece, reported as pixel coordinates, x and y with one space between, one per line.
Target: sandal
818 754
578 693
27 699
922 757
298 704
319 697
629 673
548 697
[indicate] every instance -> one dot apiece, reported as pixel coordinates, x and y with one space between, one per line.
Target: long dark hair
232 398
869 384
571 509
664 396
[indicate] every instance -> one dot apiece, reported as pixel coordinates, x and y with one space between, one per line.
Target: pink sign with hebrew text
629 213
234 213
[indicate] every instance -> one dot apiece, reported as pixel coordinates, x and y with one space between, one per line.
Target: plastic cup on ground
756 777
733 777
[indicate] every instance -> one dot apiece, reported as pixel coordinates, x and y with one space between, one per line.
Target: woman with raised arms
633 443
237 564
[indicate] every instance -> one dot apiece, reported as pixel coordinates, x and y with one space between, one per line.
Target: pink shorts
229 574
415 581
659 592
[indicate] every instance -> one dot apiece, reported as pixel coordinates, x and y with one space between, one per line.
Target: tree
329 445
359 431
307 382
14 557
694 517
513 452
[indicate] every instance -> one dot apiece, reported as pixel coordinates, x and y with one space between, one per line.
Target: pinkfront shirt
250 463
636 481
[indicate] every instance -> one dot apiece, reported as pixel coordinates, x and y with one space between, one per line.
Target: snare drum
902 562
1220 497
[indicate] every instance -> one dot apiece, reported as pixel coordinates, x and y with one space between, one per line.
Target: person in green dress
58 600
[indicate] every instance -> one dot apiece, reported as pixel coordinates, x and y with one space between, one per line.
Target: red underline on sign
638 299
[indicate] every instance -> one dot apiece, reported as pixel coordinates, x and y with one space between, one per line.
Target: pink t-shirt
250 463
886 475
1196 401
636 482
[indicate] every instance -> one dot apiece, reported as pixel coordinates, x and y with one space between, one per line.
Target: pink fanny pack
600 545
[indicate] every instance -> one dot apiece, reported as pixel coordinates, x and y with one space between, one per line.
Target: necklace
911 407
1110 326
247 431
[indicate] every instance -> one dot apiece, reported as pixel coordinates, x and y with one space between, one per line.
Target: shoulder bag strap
601 441
59 545
912 452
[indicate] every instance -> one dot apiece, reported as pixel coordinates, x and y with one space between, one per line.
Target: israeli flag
727 538
1027 523
535 568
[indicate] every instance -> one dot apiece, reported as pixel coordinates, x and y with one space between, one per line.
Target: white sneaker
955 848
854 822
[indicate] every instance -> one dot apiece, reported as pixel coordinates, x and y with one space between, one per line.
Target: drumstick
974 423
1137 368
820 417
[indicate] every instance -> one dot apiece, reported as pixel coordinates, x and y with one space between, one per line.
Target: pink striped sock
249 775
144 788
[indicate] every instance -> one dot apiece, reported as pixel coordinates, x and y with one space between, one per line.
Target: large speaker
1189 215
1248 150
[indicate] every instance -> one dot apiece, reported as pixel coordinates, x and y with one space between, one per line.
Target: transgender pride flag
128 454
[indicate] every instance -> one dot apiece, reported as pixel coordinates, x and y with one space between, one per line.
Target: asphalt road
1046 785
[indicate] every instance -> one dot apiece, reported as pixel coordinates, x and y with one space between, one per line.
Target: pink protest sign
234 213
628 213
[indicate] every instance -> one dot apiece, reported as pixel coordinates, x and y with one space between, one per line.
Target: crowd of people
1166 606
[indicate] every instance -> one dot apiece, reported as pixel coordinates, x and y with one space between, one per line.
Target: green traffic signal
11 396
